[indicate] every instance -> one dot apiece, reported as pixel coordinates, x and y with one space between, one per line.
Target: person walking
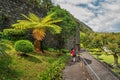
73 54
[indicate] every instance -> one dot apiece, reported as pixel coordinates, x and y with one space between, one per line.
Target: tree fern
39 25
33 21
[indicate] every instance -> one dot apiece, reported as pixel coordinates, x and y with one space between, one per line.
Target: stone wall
14 8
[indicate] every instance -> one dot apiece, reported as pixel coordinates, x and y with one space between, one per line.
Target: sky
100 15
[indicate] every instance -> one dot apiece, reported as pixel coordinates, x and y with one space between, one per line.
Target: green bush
24 46
13 34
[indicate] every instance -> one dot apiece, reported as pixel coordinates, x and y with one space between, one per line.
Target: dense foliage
24 46
110 41
68 24
84 28
5 61
54 72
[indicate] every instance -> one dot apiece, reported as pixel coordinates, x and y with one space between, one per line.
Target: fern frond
27 18
47 18
34 17
24 22
55 29
39 25
54 21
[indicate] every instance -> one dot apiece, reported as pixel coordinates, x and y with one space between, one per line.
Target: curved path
91 70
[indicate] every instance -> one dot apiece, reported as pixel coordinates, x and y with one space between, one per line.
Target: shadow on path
88 61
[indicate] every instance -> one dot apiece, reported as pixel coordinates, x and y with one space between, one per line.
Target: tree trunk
115 59
38 46
41 44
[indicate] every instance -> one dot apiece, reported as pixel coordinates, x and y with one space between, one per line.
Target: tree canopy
69 25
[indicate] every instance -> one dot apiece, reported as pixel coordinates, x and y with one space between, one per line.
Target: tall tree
114 46
39 26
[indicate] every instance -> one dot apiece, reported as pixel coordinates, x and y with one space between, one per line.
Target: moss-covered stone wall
12 10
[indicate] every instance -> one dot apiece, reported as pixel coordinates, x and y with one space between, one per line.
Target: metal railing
92 73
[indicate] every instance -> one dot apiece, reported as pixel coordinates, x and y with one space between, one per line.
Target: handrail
98 78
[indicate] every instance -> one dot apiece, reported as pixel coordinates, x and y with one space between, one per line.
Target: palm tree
39 26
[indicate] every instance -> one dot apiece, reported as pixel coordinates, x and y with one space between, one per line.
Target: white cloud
85 1
75 1
92 6
113 6
102 17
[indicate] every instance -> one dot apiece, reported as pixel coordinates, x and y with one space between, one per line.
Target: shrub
24 46
13 34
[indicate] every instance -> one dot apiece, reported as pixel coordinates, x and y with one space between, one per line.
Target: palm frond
39 25
55 29
47 18
34 17
54 21
27 18
24 24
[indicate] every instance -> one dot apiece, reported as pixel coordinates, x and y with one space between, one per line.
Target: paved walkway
93 70
75 71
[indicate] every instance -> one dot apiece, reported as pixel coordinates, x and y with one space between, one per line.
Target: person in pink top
73 54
